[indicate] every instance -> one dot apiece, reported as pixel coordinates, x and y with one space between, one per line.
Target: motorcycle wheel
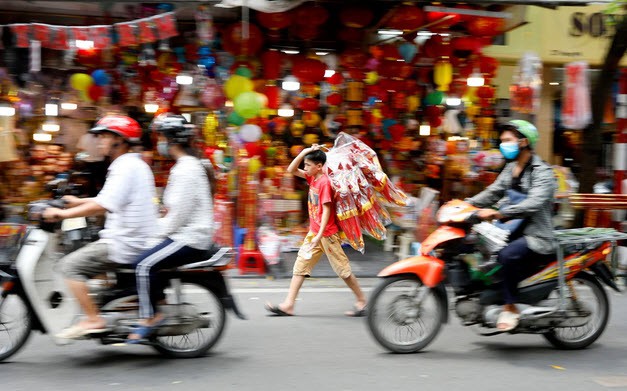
397 322
16 322
197 343
591 294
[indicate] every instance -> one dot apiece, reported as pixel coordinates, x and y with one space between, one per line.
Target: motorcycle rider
532 245
127 199
186 230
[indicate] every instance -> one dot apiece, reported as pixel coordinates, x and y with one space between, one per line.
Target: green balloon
235 119
434 98
247 104
245 72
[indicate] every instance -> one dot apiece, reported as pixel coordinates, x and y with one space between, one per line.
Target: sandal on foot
276 310
77 332
507 321
143 332
357 313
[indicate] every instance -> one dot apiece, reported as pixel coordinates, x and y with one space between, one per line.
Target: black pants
518 263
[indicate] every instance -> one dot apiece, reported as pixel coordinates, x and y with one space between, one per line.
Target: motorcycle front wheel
592 297
212 315
404 315
16 322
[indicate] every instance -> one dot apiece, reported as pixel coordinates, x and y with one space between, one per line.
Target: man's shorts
331 246
87 262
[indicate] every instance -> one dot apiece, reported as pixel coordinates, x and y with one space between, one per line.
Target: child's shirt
320 193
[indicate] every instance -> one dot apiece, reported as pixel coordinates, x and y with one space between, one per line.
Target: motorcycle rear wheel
199 341
397 322
591 292
15 314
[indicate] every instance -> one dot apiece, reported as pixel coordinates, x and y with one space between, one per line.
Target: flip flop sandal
356 313
143 332
276 310
507 320
76 332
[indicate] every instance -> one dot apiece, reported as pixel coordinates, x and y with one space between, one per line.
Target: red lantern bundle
361 189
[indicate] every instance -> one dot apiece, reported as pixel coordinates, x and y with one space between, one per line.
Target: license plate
74 223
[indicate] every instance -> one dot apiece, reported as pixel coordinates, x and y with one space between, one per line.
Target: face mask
162 148
510 150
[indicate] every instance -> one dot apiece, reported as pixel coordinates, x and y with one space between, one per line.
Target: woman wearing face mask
186 230
523 191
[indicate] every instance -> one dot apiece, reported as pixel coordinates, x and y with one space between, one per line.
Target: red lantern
356 17
234 43
310 14
488 65
465 46
272 93
397 131
442 20
406 17
458 87
485 93
390 68
309 104
335 79
275 20
334 99
435 122
432 112
485 27
353 58
309 70
390 52
356 74
271 61
306 32
436 47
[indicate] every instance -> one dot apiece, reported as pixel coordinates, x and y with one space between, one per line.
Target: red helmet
121 125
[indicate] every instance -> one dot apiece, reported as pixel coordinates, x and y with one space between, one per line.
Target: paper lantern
247 104
234 42
250 133
335 79
275 20
442 74
350 34
334 99
271 63
353 58
309 104
272 92
464 47
488 66
482 26
309 70
310 14
237 85
442 20
406 17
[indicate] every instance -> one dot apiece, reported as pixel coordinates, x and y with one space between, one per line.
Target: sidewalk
364 265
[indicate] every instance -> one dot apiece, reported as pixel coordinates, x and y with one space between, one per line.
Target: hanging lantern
306 32
354 91
406 17
334 99
271 62
351 34
464 47
482 26
275 20
390 52
309 104
389 68
442 20
443 74
356 17
309 70
234 42
486 94
272 92
310 14
353 58
488 66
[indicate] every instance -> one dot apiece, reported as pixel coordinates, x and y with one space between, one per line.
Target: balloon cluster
91 87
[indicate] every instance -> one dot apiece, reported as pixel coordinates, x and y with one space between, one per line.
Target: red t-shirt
320 193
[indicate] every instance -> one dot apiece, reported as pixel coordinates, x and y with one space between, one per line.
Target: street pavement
321 349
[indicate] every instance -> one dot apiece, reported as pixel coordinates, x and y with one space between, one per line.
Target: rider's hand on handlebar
489 214
52 215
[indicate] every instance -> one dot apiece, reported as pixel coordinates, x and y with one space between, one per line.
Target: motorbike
564 301
33 295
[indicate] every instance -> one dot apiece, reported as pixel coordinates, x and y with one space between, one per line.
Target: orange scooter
565 301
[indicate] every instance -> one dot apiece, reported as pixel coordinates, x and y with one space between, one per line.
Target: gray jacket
537 207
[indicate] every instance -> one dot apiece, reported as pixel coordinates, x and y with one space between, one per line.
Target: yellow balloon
254 165
236 85
371 77
81 81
